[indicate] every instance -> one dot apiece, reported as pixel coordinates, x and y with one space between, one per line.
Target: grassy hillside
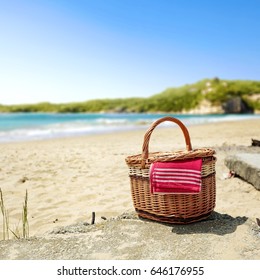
214 91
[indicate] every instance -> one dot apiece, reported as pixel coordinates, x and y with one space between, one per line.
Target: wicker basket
172 208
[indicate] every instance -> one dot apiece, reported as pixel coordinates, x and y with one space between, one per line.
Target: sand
68 179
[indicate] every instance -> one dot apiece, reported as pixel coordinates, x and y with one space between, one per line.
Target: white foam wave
103 125
58 130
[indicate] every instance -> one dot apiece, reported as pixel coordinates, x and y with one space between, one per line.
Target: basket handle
148 133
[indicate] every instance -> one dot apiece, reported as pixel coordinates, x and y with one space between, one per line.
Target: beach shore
68 179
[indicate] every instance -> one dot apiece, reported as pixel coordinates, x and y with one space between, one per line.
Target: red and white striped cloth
176 177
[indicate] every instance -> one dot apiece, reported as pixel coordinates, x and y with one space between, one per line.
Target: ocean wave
23 127
58 131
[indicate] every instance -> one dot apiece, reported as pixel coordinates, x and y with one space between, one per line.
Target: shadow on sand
219 224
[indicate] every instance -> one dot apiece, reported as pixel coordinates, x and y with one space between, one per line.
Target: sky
75 50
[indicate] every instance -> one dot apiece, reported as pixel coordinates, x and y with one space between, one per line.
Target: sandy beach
68 179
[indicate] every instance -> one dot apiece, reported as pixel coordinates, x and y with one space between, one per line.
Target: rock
23 179
236 106
256 142
247 166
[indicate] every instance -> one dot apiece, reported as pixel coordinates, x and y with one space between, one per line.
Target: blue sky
63 51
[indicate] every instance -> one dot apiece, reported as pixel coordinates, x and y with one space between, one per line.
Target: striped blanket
176 177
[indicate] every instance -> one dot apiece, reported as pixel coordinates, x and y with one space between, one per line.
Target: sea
38 126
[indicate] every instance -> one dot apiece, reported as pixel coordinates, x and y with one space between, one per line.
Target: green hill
208 95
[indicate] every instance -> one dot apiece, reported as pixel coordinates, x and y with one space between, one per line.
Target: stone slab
138 239
247 166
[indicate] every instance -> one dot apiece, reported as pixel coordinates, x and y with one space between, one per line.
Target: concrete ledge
247 166
128 238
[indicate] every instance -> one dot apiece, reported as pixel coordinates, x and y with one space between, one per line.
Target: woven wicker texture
172 208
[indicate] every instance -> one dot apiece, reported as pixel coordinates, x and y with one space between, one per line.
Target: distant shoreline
205 96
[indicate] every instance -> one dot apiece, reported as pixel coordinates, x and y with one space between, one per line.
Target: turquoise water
34 126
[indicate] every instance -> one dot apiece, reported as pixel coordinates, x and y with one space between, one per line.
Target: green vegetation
185 98
25 217
225 90
5 226
5 220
